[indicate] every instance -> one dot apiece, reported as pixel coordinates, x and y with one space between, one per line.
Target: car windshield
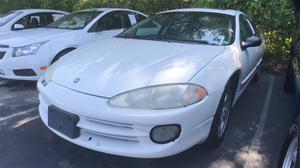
189 27
7 17
75 21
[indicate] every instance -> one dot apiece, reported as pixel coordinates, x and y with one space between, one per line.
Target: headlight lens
160 97
48 74
27 50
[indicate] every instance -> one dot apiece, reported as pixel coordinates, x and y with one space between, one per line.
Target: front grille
2 55
24 72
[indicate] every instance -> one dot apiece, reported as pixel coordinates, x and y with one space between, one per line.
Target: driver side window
33 21
111 21
246 29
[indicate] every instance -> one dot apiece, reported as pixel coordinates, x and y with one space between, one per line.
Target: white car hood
3 33
110 67
27 37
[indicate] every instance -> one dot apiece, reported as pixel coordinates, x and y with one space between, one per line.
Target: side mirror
18 26
253 41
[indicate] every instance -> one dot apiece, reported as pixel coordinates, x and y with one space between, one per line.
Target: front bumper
126 132
9 65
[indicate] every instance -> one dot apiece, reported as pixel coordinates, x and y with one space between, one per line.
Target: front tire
257 75
61 54
288 158
221 117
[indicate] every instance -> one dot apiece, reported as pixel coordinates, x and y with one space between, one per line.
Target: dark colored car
290 156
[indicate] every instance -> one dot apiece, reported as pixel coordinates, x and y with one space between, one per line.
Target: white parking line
251 156
17 114
263 118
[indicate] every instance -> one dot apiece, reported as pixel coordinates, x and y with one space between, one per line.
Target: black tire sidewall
61 54
213 139
285 148
257 75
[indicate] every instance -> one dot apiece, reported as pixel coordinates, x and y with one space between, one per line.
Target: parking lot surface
255 135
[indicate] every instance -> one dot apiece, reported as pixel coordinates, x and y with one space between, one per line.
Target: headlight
160 97
48 74
27 50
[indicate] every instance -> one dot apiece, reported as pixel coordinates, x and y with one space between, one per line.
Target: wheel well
61 53
235 79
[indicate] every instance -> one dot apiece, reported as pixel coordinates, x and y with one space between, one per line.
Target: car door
251 56
110 25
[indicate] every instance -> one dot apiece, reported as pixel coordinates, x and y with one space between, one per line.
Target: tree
275 18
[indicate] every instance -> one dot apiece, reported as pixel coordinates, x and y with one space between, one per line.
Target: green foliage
275 18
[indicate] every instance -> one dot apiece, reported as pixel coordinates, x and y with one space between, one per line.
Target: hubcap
225 112
291 154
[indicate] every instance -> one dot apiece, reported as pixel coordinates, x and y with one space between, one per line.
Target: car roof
112 9
107 9
210 10
40 10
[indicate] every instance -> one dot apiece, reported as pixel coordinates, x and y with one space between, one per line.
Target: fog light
43 68
165 133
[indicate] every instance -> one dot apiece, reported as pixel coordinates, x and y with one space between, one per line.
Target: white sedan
25 55
159 88
17 20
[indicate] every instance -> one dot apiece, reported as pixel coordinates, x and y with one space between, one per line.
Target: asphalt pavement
255 135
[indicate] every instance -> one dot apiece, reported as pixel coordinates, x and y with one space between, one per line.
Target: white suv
27 19
25 55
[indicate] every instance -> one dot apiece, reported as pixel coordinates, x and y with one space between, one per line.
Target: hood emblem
76 80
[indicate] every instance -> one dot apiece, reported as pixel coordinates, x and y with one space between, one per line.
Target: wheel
288 158
291 154
61 54
257 75
221 117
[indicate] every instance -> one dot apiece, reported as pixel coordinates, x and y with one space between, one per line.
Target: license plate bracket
63 122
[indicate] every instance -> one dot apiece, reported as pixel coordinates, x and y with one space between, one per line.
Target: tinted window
197 27
135 17
245 28
34 21
57 16
75 21
140 17
113 20
126 20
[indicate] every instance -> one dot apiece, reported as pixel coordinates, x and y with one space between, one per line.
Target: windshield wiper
185 40
66 28
165 38
149 37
